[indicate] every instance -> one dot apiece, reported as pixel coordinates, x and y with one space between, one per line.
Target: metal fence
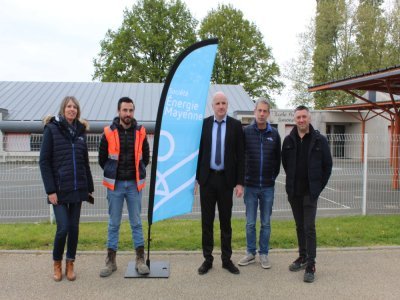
357 185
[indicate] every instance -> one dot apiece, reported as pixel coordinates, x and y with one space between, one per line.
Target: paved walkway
354 273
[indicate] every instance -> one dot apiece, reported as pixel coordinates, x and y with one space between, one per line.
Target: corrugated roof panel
7 89
107 110
139 96
31 101
31 95
94 107
19 96
46 103
86 92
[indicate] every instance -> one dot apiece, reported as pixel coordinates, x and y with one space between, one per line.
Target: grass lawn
354 231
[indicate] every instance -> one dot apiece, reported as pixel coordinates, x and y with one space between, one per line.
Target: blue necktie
218 148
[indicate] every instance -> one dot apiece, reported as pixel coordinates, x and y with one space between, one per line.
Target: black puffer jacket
126 160
64 161
263 155
319 162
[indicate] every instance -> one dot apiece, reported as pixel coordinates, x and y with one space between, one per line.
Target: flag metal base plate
158 269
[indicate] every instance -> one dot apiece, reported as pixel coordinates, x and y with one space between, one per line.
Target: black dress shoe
204 268
230 267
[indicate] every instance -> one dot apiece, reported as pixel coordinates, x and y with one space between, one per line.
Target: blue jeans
252 196
67 218
124 190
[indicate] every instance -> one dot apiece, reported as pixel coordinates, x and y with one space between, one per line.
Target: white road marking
344 206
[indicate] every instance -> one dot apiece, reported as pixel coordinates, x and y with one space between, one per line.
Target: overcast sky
49 40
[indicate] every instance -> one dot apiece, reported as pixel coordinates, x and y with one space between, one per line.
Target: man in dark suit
220 171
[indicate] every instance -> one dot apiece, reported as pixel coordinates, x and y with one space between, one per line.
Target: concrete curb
331 249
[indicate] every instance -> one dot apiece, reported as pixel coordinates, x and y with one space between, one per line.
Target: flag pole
157 130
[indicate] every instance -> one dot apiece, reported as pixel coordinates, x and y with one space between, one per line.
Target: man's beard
303 128
127 121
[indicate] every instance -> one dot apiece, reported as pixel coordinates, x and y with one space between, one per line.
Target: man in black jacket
307 161
262 164
124 154
220 170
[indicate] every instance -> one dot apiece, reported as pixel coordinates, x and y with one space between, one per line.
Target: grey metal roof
379 97
31 101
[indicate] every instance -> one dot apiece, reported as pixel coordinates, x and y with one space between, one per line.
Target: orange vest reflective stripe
112 137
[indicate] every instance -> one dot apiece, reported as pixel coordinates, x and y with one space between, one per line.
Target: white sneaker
247 259
265 261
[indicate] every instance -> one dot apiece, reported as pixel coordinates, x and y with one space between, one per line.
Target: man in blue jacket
307 161
262 163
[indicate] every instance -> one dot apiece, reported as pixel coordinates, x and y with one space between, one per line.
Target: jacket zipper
261 160
126 149
74 162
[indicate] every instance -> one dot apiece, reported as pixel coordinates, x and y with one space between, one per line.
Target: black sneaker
299 264
309 274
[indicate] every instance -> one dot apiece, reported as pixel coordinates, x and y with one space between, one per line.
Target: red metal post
392 133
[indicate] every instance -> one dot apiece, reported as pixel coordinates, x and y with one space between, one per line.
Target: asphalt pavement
344 273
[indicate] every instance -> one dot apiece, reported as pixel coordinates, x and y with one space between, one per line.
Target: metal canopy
383 80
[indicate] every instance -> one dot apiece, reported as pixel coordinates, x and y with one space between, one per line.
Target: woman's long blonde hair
64 104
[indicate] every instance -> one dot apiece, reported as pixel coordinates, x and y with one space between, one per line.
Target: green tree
299 70
345 60
324 57
351 37
393 40
143 49
329 22
371 36
242 57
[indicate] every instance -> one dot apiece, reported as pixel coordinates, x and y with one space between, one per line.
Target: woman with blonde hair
64 165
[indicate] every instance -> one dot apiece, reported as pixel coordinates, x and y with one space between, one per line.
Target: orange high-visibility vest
110 169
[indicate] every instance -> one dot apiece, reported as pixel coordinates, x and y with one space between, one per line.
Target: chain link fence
357 185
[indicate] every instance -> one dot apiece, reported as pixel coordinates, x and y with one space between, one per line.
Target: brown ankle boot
57 270
111 264
69 270
141 266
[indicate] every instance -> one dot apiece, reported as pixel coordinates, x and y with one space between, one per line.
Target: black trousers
216 192
304 212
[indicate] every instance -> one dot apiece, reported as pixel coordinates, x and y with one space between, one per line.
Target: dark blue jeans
67 218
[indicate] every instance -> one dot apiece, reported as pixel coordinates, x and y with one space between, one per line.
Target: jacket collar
254 125
62 123
224 119
293 133
115 124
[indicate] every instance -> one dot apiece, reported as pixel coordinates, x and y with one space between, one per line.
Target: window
36 141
